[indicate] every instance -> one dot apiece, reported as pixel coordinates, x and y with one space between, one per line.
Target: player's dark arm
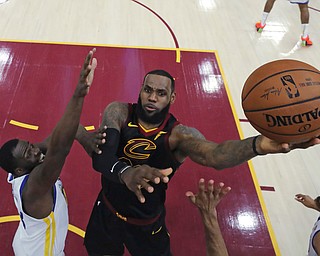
189 142
39 186
107 161
308 202
214 239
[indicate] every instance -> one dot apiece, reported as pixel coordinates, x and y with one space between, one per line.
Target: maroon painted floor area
36 81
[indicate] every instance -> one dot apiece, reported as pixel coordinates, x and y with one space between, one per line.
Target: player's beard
156 118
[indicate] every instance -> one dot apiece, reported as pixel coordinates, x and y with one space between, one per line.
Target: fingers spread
191 197
146 186
225 191
202 188
140 195
94 63
165 179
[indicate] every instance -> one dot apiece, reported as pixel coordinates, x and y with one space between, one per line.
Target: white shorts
299 1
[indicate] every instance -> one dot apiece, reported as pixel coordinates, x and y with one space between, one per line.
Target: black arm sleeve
107 162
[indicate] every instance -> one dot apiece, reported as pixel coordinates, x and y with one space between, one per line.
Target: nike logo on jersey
132 125
159 134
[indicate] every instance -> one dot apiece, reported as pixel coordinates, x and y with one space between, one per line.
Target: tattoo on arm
189 131
115 115
233 152
208 153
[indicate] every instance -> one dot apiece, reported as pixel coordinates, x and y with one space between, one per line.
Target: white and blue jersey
40 236
315 230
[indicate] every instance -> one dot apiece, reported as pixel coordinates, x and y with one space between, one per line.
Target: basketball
281 100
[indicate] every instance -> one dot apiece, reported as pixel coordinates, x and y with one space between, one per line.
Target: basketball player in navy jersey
142 139
34 169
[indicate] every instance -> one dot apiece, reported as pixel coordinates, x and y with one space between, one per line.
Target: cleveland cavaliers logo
139 148
290 86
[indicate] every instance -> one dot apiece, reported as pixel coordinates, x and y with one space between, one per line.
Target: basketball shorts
106 234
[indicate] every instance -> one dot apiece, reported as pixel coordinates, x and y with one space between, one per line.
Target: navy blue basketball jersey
140 146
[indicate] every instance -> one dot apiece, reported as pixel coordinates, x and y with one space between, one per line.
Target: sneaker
259 27
306 41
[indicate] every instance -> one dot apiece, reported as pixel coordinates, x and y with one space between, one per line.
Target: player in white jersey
304 18
314 240
34 171
44 231
313 247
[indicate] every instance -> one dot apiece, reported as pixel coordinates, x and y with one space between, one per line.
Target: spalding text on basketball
292 120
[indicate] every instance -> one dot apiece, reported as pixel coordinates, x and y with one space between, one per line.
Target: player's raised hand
87 74
208 198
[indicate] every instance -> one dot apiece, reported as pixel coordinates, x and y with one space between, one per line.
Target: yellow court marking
178 51
108 45
71 227
89 128
36 127
76 230
24 125
9 218
178 56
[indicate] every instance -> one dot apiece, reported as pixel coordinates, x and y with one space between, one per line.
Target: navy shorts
106 234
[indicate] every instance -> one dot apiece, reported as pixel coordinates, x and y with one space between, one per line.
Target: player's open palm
208 198
87 74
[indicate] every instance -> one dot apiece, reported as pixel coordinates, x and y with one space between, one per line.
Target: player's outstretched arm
206 201
189 142
307 201
37 194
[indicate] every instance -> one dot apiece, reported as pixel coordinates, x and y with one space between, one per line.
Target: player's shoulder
115 113
117 107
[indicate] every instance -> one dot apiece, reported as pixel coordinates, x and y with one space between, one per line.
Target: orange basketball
281 100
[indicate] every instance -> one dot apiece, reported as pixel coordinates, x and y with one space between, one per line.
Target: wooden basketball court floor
210 47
